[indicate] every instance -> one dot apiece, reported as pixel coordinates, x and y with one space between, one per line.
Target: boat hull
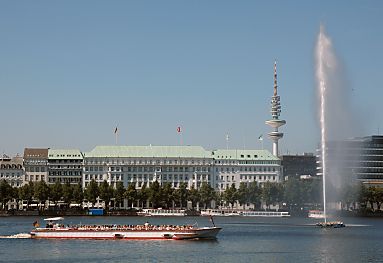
200 233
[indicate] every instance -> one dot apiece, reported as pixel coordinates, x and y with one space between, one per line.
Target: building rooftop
64 154
35 153
149 151
233 154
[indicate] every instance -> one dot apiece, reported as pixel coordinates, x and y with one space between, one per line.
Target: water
241 240
321 56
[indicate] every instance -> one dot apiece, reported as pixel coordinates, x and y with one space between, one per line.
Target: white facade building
145 164
245 166
11 170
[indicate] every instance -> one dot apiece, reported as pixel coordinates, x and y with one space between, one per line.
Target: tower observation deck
275 122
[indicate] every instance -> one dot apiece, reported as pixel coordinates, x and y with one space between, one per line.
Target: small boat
55 230
332 224
162 212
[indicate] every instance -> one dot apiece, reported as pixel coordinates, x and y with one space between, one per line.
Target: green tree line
294 194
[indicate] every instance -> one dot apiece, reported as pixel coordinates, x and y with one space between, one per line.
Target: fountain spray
322 62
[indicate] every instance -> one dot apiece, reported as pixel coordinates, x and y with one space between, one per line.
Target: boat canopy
54 219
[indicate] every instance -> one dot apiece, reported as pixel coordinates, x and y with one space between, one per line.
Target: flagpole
227 141
116 135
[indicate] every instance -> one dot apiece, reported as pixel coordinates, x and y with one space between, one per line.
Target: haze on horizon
71 71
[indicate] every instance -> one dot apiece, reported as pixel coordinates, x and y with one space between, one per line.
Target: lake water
241 240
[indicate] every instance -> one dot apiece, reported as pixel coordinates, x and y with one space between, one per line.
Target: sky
71 71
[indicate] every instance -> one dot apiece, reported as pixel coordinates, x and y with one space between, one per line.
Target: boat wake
20 235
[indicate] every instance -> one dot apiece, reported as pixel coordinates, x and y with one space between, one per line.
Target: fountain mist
335 114
322 44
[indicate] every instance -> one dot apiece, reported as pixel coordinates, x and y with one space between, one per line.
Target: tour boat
265 213
56 230
162 212
245 213
316 214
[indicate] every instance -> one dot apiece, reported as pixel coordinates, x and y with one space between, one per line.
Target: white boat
56 230
219 212
265 213
247 213
162 212
316 214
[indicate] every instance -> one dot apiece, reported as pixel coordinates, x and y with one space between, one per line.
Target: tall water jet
337 120
322 60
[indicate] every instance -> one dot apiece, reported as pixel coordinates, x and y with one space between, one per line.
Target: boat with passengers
56 230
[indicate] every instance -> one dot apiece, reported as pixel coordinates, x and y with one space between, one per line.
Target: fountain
328 86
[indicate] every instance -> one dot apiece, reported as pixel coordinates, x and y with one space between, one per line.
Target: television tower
275 122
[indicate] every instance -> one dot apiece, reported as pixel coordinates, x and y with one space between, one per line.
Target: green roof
244 155
149 152
64 154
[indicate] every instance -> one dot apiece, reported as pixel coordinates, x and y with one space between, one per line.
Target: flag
115 130
36 224
260 137
178 129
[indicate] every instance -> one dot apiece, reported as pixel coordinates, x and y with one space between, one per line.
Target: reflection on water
241 240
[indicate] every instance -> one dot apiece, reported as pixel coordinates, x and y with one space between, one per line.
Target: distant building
141 165
65 166
245 166
357 158
299 166
35 164
192 165
11 170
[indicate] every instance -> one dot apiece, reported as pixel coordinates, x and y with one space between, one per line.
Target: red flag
178 129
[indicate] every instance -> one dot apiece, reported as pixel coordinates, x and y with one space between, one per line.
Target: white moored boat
162 212
56 230
316 214
222 212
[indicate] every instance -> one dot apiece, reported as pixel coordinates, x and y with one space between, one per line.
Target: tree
230 195
92 192
142 195
254 194
292 193
155 194
106 193
78 194
67 193
5 193
26 193
206 194
41 191
55 192
182 194
119 193
167 194
194 196
131 193
243 194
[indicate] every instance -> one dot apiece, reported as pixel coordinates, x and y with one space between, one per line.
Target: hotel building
11 170
65 166
35 164
245 166
192 165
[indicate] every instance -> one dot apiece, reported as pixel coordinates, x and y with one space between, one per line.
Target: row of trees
294 194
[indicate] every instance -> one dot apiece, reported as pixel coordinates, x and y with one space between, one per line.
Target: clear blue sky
70 71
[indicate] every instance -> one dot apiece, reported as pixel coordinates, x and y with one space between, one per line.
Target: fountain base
333 224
